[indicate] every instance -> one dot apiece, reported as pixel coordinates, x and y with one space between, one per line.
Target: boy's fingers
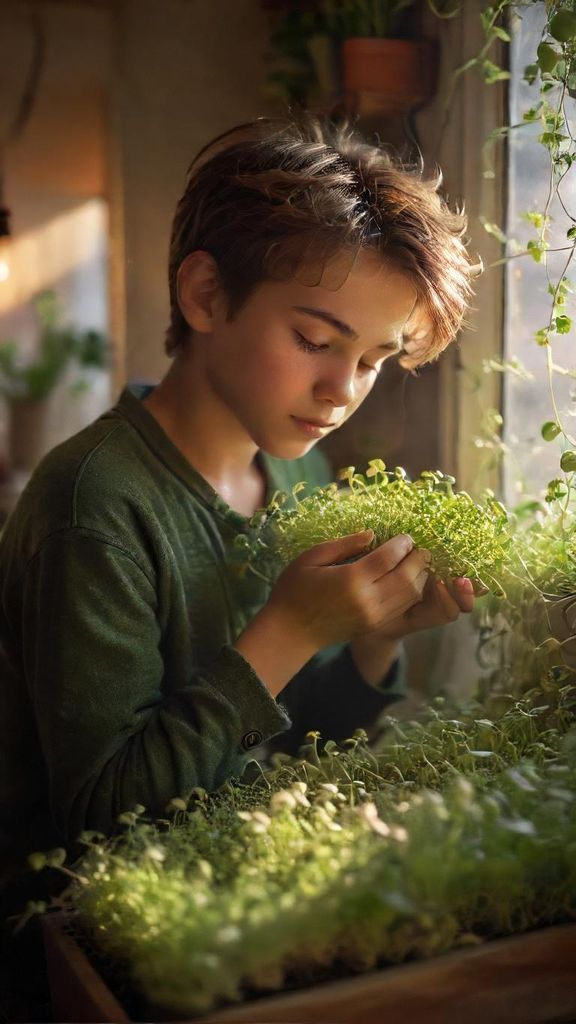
387 556
450 607
334 552
462 590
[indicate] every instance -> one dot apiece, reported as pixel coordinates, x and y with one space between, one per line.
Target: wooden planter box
530 979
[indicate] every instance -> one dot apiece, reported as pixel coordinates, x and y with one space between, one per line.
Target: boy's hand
374 652
336 592
441 603
324 598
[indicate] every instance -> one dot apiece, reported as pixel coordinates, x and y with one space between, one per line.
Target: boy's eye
308 346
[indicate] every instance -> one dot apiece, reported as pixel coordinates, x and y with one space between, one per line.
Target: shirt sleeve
113 730
330 695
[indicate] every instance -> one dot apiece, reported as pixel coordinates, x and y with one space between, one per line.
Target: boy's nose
339 389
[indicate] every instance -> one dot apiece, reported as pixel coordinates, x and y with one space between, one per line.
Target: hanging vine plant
545 527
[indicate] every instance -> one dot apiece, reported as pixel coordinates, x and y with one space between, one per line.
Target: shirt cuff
259 716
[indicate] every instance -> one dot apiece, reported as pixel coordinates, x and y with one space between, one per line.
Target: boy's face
296 354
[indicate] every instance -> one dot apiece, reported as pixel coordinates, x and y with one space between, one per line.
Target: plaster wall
184 73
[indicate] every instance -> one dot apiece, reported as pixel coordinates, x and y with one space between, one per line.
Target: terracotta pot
27 433
400 74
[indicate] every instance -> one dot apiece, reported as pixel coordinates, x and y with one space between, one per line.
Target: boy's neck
202 430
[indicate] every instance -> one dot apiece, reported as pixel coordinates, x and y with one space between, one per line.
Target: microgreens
463 537
460 828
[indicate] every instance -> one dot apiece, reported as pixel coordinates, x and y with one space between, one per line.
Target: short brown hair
271 196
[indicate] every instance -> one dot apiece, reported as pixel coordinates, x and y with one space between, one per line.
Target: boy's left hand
441 603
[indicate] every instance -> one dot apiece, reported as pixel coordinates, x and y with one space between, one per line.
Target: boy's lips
312 428
314 422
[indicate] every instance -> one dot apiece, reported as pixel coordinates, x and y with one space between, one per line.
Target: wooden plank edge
78 992
440 990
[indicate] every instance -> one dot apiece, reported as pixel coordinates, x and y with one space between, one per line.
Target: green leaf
551 139
176 804
571 233
550 430
501 33
555 490
563 26
37 861
493 73
521 826
486 17
56 858
536 250
547 58
494 230
563 324
127 818
535 218
568 461
530 74
542 337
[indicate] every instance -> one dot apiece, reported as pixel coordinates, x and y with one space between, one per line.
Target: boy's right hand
322 601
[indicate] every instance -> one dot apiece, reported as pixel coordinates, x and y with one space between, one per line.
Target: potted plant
380 59
27 384
363 50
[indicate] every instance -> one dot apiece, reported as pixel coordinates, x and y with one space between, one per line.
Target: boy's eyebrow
340 326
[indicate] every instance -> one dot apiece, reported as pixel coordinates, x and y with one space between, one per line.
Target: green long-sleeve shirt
119 602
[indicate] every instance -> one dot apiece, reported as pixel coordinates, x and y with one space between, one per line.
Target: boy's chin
287 449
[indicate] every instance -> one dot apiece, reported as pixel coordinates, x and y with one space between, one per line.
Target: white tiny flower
230 933
369 814
283 800
261 818
155 853
299 797
463 788
301 787
399 833
205 869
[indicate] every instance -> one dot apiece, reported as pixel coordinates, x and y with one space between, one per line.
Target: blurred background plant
25 378
63 360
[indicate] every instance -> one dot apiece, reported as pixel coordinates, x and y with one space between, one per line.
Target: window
531 461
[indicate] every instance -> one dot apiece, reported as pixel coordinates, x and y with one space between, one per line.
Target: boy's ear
199 290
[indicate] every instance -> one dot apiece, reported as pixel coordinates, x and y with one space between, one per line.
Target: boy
135 663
